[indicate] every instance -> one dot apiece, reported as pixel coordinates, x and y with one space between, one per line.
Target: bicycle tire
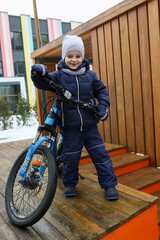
28 213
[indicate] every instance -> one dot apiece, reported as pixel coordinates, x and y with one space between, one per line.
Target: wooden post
40 94
38 35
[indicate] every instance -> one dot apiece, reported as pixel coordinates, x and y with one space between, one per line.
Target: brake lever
91 108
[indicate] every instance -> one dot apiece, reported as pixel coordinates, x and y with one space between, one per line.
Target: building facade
17 41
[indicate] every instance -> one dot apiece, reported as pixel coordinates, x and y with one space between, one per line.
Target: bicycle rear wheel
27 202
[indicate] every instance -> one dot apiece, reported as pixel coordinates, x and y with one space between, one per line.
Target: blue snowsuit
79 125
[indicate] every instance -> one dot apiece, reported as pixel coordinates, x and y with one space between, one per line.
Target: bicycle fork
32 149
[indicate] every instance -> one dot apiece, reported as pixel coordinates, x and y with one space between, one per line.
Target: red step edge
131 168
152 188
117 152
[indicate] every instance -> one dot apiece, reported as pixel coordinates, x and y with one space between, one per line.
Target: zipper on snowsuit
80 115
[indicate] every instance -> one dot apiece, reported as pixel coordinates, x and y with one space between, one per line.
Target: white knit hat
72 43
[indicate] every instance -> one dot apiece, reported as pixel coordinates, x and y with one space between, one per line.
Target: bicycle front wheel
27 202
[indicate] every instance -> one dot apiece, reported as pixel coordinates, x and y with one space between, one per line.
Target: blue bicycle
32 181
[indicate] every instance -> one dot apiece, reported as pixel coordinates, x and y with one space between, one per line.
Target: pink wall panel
5 44
54 28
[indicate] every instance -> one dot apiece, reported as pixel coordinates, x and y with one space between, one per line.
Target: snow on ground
19 132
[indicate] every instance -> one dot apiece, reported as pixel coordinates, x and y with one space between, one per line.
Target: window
16 40
1 69
20 68
10 92
44 39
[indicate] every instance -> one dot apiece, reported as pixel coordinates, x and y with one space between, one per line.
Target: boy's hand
41 69
103 115
38 78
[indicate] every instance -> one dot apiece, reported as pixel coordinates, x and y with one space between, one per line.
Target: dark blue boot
70 192
111 194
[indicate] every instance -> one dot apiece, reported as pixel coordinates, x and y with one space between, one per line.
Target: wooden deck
87 216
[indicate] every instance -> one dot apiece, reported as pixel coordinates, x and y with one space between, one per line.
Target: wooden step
128 162
133 170
146 179
123 163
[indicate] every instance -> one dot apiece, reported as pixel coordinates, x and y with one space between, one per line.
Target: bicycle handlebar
66 96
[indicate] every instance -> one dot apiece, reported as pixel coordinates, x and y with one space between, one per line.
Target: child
79 126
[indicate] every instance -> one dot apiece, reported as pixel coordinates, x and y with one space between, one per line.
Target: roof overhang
53 49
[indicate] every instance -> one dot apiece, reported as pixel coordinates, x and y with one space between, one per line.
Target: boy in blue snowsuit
79 125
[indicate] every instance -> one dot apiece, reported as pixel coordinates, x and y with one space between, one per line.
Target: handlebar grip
35 74
58 88
91 108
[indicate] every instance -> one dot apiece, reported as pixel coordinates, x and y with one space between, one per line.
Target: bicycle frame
49 126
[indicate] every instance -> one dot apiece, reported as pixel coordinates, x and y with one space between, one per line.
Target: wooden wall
125 48
126 56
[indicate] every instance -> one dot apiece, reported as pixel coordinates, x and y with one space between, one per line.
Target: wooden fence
126 54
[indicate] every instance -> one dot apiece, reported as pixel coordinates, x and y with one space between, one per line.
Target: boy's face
73 59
